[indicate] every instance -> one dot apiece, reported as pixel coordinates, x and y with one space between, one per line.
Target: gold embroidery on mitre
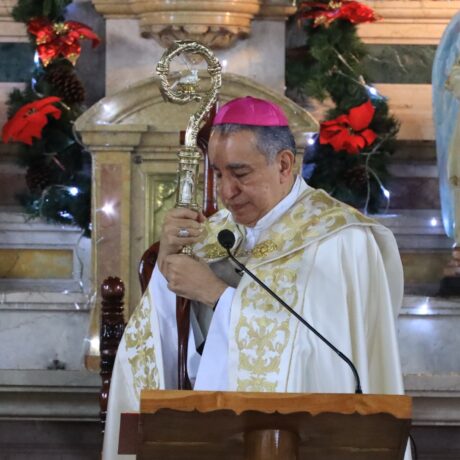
140 349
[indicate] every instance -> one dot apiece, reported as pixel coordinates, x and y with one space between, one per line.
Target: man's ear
286 161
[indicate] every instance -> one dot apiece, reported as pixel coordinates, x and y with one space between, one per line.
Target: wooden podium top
284 403
188 425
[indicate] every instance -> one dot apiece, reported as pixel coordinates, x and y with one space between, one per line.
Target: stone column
111 199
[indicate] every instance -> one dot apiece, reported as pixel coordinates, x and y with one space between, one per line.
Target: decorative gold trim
140 351
262 249
264 328
215 251
314 216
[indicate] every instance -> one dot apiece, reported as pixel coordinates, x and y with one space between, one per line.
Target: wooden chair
112 328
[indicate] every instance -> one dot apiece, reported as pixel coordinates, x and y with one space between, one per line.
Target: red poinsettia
29 120
59 39
325 14
349 132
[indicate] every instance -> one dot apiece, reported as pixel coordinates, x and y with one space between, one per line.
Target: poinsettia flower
326 13
30 119
349 132
59 38
357 13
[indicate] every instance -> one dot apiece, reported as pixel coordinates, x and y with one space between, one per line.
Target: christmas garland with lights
348 157
42 116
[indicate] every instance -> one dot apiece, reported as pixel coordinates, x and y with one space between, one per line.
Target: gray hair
270 140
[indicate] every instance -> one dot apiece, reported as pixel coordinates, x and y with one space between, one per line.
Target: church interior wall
45 393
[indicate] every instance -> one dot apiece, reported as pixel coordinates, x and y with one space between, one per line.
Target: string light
372 90
373 93
434 222
311 138
65 214
74 191
108 209
424 308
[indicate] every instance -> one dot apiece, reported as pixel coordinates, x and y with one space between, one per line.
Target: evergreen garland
330 66
58 167
28 9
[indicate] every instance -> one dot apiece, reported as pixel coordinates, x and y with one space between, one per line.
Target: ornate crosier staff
189 160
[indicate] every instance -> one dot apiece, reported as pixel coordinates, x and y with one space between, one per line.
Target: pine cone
356 178
67 85
38 177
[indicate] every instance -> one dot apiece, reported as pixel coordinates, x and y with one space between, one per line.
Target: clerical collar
253 233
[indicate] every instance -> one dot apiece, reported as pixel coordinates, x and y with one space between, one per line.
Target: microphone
226 239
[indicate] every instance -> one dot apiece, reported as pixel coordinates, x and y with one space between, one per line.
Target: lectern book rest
189 425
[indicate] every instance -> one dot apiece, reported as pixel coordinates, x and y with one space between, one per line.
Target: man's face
247 184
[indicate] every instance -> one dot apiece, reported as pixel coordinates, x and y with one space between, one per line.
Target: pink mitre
250 111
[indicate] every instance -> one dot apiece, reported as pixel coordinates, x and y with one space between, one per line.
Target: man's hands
186 276
170 242
193 279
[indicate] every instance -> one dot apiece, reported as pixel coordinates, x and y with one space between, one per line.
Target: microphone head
226 239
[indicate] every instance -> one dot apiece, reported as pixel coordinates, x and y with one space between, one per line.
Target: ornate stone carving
216 23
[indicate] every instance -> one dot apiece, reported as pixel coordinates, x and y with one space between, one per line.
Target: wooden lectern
189 425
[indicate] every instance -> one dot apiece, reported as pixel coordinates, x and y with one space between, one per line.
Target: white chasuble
338 269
